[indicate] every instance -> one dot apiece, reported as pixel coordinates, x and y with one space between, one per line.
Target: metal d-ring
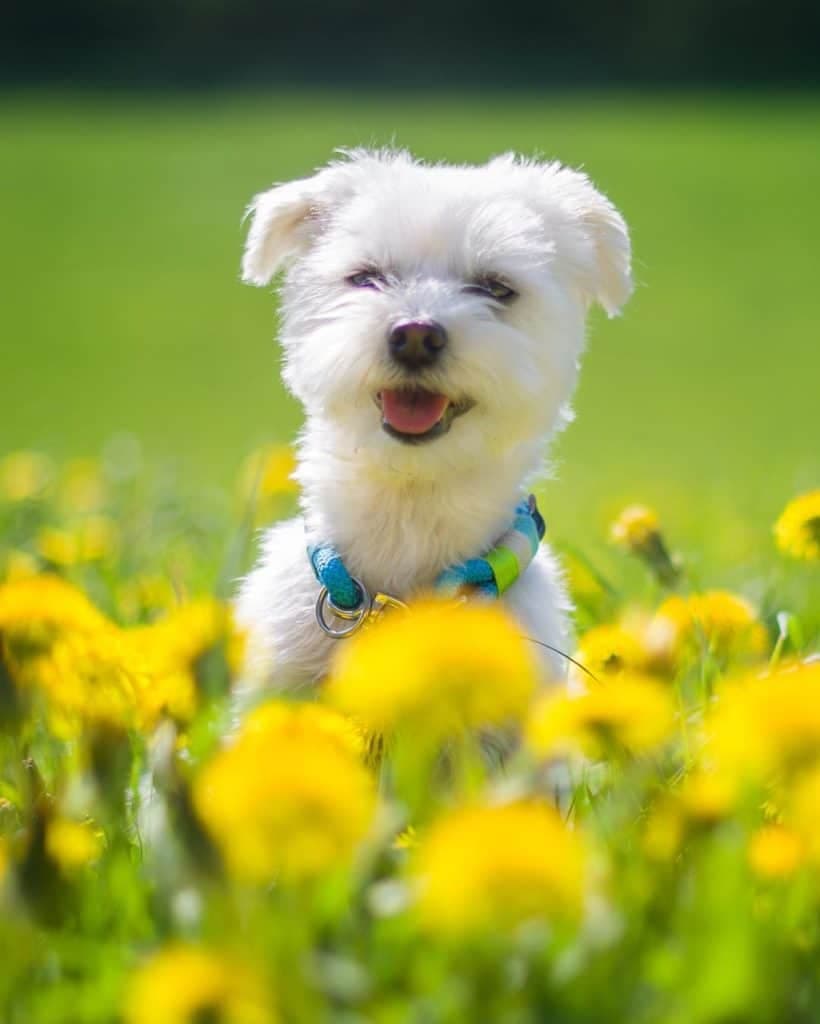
355 616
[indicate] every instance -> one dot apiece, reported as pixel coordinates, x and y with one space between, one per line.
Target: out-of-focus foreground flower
492 867
627 713
717 622
290 797
184 984
767 727
440 667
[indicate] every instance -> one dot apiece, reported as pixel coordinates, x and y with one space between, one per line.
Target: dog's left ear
285 219
604 265
591 237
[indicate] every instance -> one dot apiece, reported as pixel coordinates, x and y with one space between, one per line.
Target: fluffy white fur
400 513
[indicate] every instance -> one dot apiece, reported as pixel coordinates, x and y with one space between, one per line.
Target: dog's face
433 316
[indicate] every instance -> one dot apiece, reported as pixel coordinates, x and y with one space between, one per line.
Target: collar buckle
368 610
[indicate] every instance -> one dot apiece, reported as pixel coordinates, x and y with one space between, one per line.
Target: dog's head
434 315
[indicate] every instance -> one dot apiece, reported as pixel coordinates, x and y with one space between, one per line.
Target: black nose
416 343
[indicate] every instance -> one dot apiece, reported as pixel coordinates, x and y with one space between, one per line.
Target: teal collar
491 574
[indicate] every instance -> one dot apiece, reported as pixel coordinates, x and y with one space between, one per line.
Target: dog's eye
367 279
493 288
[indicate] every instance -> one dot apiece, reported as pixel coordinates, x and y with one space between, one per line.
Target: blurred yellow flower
638 530
723 623
708 796
439 667
289 799
24 475
109 679
493 867
803 811
35 612
91 540
191 631
635 526
775 852
797 531
72 844
629 712
767 725
277 718
612 648
184 984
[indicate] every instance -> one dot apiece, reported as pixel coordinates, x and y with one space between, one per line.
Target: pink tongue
412 412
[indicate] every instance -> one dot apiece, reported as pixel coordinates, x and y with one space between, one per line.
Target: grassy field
122 309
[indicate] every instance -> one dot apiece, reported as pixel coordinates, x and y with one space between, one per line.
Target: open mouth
414 415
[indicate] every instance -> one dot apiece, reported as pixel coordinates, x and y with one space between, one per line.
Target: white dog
432 325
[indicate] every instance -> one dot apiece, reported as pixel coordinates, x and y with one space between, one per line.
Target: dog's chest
402 542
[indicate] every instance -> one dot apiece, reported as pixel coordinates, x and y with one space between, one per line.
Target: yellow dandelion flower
708 796
797 531
24 475
725 623
492 867
276 718
58 546
767 725
802 803
185 984
438 667
107 679
191 631
92 540
72 844
638 530
635 527
289 799
630 712
35 612
612 648
775 852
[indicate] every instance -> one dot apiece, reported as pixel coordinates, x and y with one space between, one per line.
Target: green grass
122 309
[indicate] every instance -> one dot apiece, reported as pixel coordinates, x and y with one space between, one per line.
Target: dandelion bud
638 530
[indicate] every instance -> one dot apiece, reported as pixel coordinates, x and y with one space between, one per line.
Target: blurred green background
123 312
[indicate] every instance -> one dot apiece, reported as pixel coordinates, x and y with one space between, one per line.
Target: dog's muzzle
416 344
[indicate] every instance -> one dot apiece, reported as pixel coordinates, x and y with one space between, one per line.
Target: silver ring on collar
354 616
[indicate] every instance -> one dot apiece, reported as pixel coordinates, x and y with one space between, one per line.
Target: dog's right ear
285 219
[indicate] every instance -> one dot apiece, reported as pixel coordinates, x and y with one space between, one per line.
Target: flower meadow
435 835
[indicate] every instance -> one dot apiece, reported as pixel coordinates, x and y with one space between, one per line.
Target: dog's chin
418 416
